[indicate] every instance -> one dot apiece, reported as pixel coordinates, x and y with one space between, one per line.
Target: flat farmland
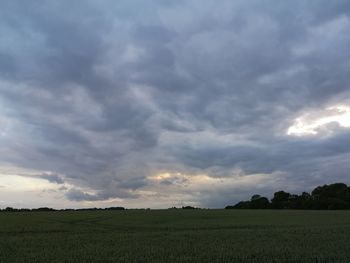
175 236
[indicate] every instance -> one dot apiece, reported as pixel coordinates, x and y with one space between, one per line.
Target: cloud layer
105 97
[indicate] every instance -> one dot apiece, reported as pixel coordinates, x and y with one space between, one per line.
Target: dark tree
242 205
259 202
255 197
280 200
333 196
188 207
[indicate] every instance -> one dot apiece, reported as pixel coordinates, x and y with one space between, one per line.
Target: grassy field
176 236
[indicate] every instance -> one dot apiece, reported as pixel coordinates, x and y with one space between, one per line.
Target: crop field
175 236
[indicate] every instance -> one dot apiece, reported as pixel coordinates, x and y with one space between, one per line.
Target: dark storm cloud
53 178
286 154
107 93
78 195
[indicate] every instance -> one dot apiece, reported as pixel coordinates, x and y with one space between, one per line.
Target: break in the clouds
167 103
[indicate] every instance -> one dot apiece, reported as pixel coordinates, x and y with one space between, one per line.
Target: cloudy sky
168 102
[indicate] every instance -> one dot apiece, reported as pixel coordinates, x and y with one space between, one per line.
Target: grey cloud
50 177
282 154
62 188
78 195
53 178
175 180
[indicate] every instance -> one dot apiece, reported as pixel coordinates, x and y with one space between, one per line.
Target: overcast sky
169 103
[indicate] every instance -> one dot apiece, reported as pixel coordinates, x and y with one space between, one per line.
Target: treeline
48 209
184 207
327 197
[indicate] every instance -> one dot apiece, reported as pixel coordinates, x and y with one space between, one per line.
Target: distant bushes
327 197
189 207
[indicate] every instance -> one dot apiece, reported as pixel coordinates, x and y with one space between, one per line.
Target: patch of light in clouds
305 125
21 183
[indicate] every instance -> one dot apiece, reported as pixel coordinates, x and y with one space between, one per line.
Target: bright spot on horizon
305 125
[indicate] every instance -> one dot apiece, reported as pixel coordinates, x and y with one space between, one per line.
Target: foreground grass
176 236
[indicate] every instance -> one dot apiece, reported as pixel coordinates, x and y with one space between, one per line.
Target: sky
162 103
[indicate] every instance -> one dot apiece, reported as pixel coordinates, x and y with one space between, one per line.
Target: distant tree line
328 197
47 209
188 207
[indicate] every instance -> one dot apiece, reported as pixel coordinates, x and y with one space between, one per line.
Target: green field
176 236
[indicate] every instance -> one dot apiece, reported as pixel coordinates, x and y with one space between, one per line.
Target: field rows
176 236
